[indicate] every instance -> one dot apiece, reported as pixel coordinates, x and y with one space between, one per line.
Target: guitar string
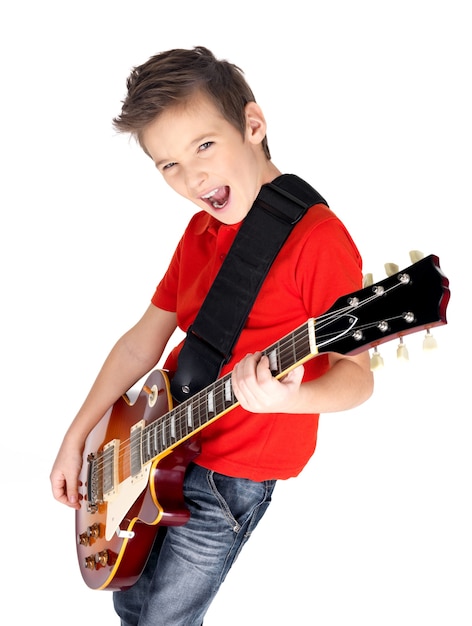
179 413
287 345
201 399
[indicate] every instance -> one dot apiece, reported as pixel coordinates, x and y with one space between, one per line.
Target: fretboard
211 403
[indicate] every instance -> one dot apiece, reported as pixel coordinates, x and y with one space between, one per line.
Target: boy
197 119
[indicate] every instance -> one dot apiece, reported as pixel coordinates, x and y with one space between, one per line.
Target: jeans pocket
242 501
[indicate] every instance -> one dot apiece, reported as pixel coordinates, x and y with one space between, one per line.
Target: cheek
180 188
175 183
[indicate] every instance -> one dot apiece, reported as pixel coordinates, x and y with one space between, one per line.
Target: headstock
429 342
405 302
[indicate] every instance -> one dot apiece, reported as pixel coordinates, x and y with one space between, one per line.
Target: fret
155 432
211 401
229 397
219 397
304 346
167 429
163 434
190 423
195 413
273 356
173 431
203 409
180 426
200 414
291 351
286 356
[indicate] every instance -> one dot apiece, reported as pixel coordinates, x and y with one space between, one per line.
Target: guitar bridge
94 482
102 475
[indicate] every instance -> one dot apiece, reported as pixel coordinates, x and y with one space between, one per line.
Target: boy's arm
348 383
134 354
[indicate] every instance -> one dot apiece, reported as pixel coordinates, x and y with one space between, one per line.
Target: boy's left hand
259 392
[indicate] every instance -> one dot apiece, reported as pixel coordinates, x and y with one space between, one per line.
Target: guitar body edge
117 563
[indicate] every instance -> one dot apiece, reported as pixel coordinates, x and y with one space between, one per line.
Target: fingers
248 374
294 377
64 492
258 391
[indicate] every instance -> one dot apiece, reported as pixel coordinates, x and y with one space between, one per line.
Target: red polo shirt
318 263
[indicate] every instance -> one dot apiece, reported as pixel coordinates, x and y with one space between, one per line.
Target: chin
228 219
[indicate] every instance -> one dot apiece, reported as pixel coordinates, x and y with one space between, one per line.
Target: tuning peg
376 361
402 352
391 268
368 280
416 255
429 342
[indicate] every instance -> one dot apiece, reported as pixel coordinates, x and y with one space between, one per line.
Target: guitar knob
92 532
90 562
368 280
83 539
429 342
416 255
391 269
99 559
402 352
102 558
376 361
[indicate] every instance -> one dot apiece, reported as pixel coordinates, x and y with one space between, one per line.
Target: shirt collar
212 225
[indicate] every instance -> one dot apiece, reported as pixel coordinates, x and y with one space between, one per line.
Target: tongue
220 198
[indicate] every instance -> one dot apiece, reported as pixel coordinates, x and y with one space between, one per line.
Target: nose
195 178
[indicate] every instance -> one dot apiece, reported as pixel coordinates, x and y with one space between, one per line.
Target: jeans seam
223 504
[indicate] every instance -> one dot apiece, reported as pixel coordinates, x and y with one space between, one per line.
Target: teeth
209 195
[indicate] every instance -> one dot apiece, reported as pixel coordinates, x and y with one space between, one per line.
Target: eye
205 146
168 166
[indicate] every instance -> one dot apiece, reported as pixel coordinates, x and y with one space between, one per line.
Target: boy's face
206 159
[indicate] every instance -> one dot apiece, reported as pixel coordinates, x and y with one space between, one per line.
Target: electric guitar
135 458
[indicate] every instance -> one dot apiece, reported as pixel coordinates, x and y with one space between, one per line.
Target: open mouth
217 198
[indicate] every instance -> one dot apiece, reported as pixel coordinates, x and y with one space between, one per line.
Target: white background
370 101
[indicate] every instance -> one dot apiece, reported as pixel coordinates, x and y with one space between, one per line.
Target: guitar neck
411 300
208 405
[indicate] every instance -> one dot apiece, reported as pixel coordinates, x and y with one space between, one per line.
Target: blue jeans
188 563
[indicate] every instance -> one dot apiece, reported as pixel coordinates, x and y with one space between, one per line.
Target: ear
256 126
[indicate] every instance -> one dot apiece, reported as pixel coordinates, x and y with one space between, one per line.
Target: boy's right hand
64 475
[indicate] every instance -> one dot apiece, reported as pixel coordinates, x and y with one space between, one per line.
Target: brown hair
172 77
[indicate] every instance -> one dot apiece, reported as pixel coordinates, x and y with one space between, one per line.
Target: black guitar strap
220 320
